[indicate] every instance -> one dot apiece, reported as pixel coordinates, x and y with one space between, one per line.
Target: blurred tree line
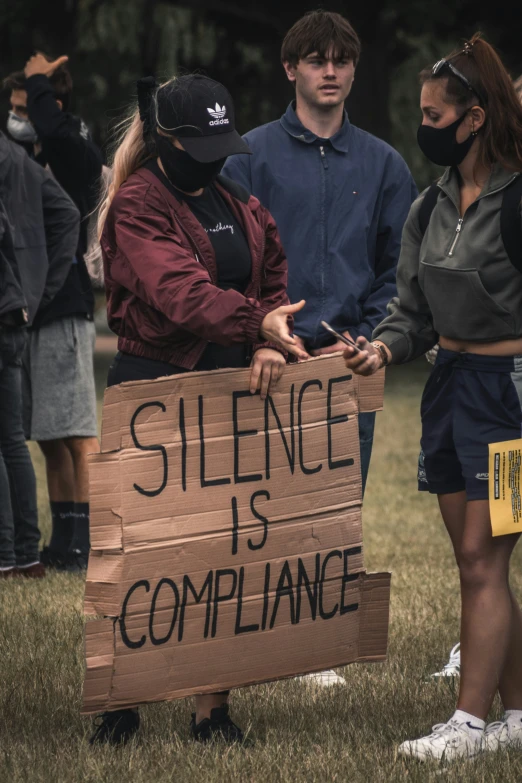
111 43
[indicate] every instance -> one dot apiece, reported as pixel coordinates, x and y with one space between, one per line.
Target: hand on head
38 64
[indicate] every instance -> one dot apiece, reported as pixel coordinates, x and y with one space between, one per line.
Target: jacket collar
498 179
294 127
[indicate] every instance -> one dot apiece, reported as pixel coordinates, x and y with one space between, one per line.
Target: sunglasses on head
437 68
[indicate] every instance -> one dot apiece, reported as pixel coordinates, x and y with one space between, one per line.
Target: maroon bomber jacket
161 275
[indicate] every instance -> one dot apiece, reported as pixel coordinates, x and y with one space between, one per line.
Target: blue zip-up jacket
340 205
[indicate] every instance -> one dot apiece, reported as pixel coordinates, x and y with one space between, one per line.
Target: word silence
226 535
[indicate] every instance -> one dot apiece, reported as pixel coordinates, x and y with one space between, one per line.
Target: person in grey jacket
457 286
39 227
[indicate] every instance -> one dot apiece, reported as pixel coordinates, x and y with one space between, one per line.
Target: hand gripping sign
226 535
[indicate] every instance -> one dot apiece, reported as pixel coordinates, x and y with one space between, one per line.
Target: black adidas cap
200 112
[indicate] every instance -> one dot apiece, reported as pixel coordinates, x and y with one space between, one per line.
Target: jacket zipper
254 287
456 238
458 228
262 266
322 229
195 250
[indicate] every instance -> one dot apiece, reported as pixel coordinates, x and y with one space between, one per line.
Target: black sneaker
51 558
116 727
218 727
75 562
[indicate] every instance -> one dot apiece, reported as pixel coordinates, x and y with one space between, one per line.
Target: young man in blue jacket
339 195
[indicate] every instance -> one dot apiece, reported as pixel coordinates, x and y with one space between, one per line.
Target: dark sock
63 519
80 540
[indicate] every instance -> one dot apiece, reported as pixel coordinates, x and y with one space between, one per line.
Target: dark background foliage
112 43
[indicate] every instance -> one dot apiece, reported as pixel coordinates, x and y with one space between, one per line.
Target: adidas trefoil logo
218 112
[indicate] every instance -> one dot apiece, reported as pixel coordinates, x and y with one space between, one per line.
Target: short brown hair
320 31
60 81
478 62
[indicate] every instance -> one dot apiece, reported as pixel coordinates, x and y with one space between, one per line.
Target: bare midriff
500 348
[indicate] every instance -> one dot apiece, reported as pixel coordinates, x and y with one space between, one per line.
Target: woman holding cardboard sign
195 275
460 283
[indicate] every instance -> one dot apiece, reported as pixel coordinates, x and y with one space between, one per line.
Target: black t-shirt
233 259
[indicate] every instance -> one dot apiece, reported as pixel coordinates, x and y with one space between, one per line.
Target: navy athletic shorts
469 401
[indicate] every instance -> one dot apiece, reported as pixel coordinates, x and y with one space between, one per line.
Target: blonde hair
129 153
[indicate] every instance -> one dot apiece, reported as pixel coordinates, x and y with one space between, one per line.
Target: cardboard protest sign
505 499
226 535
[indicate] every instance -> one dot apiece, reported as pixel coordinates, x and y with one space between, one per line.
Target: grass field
301 734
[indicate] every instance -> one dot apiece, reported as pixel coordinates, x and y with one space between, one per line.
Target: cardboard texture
505 489
226 535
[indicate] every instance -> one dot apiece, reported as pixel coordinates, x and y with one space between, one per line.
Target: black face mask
183 171
440 145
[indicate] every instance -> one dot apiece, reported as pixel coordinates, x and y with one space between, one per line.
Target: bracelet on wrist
382 352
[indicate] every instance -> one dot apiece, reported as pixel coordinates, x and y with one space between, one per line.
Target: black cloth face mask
184 171
440 145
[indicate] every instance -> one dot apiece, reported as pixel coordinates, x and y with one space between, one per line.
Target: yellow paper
505 501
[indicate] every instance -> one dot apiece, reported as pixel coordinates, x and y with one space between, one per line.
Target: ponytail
130 153
133 147
501 134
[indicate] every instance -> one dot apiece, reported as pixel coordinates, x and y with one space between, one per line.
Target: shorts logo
482 476
421 471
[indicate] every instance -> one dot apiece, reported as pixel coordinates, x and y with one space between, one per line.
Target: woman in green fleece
460 284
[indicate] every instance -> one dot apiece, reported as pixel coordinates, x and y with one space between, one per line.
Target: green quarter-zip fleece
457 280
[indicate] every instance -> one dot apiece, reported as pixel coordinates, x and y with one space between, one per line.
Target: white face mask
20 129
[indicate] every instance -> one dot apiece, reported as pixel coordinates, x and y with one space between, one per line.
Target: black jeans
19 533
127 367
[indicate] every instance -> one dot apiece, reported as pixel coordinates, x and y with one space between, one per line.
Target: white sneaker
503 734
452 668
448 741
324 679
